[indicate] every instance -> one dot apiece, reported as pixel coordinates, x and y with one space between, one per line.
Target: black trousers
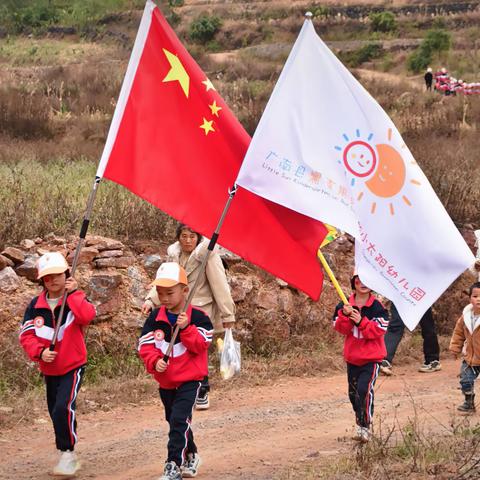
178 404
396 327
62 391
361 381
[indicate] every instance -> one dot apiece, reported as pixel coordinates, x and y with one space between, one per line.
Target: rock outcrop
116 278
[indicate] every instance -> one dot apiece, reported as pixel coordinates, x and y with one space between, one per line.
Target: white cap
51 262
169 274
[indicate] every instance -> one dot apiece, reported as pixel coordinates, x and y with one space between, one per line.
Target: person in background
428 79
431 349
466 340
212 294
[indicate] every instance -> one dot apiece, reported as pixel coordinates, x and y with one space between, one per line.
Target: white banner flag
324 147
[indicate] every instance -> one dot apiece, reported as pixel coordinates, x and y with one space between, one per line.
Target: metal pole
83 233
211 246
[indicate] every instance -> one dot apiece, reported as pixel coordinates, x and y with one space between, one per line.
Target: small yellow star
177 72
208 84
215 108
207 126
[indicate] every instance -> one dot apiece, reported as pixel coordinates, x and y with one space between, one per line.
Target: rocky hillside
116 277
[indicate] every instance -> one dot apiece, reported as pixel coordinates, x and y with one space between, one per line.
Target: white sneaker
171 472
358 433
67 465
202 402
190 467
364 435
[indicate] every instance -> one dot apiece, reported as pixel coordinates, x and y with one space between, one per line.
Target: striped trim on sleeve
206 334
28 325
382 323
146 339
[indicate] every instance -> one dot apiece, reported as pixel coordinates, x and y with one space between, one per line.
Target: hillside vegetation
62 64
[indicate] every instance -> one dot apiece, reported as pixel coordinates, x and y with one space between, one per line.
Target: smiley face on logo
359 158
159 335
39 322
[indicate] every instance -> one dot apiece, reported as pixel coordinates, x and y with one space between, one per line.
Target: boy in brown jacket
466 340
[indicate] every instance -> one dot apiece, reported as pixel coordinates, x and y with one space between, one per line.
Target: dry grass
38 198
404 452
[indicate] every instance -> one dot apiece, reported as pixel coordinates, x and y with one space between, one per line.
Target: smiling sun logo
381 166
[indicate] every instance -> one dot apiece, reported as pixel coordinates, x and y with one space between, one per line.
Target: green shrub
438 40
364 54
320 11
176 3
420 59
383 22
435 41
17 16
204 29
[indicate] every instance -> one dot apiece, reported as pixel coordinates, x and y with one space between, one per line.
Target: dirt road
249 433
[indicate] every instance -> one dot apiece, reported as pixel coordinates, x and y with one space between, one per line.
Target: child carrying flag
179 378
363 321
63 368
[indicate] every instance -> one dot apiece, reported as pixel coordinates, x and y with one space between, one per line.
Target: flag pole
82 235
203 265
330 274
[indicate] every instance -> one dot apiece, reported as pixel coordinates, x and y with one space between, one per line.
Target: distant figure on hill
428 79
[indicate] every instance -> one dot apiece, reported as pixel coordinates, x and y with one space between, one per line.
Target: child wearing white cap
63 367
180 377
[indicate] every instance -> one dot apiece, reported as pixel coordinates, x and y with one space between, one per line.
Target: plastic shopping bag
230 359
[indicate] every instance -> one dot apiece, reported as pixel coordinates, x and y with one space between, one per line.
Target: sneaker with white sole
358 433
364 434
67 465
434 366
191 465
171 471
386 368
202 402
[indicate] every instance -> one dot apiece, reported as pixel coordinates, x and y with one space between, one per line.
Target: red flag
174 142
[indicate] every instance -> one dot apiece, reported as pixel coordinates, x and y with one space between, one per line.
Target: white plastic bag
230 360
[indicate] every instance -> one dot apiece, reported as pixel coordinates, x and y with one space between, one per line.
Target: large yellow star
207 126
208 84
215 108
177 72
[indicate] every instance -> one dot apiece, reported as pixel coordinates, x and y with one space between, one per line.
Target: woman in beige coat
212 293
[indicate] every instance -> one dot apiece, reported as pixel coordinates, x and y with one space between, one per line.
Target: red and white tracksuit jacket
365 343
188 359
38 326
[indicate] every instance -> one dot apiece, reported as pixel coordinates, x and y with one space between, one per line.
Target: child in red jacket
63 367
363 321
179 378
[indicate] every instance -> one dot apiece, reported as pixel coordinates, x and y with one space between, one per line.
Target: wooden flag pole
330 274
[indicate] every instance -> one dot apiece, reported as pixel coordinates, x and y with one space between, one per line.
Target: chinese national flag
174 142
